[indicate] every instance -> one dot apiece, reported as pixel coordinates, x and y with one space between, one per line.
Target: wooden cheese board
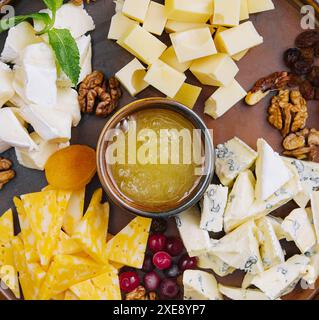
279 29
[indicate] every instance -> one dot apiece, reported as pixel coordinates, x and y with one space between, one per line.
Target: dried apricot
71 168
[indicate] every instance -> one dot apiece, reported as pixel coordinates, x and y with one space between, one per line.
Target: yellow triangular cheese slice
6 227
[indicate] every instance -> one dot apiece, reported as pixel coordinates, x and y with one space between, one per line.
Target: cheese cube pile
62 254
207 36
253 185
38 91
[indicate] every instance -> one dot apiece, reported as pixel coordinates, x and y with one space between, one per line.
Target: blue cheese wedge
282 278
242 294
240 200
313 267
270 249
240 249
200 285
215 199
298 228
233 157
315 212
196 240
309 178
276 224
271 171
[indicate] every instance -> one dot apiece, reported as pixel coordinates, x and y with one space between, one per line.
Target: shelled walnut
140 294
98 95
6 172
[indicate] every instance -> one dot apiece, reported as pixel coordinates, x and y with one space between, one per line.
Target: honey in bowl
155 168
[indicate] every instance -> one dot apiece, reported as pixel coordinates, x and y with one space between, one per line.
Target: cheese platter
242 236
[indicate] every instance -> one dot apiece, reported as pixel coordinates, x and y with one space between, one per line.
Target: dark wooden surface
279 28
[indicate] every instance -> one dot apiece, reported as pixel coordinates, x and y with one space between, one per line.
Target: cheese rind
259 6
223 99
120 25
164 78
155 19
216 70
215 199
237 39
132 76
226 12
193 44
188 95
200 285
136 9
170 58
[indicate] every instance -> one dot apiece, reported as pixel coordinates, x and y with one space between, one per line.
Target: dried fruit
294 141
295 80
159 225
302 67
307 39
307 90
71 168
291 56
316 49
169 288
307 54
313 76
6 173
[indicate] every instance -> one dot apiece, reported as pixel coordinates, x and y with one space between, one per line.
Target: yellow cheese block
120 24
67 245
129 245
6 227
237 39
85 291
238 56
255 6
216 70
65 271
132 77
223 99
27 235
92 230
189 10
142 44
193 44
164 78
136 9
170 58
218 30
6 254
69 295
178 26
188 95
155 19
9 279
226 12
74 211
244 12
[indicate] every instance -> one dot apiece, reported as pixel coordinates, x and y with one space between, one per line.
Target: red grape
148 263
162 260
157 242
169 288
152 281
174 246
129 281
186 262
173 271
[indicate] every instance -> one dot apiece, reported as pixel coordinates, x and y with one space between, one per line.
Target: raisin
294 80
316 97
307 39
159 225
313 76
302 67
291 56
307 54
316 49
307 90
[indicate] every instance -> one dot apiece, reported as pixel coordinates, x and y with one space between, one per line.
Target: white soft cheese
6 87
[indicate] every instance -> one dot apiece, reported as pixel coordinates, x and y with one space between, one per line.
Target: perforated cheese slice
129 245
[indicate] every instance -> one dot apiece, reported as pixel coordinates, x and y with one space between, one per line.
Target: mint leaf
6 24
53 5
66 52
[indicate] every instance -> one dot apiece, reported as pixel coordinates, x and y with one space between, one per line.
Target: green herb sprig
63 44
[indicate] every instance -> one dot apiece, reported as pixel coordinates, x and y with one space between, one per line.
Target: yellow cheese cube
188 95
219 29
244 12
120 24
193 44
226 12
237 39
223 99
216 70
189 10
142 44
129 245
255 6
136 9
164 78
155 19
6 227
132 77
170 58
238 56
178 26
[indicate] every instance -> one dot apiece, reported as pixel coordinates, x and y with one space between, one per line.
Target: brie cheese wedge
298 227
242 294
282 279
240 249
36 159
50 124
196 240
19 37
215 199
6 88
315 212
200 285
271 171
12 132
240 200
